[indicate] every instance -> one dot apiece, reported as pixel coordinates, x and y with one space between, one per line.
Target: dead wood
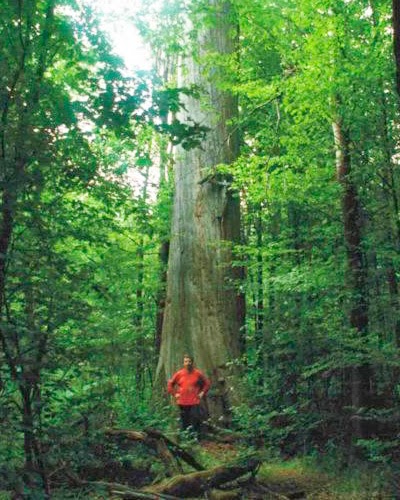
176 449
225 495
196 483
167 449
172 466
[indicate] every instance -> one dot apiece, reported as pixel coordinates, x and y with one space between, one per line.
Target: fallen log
176 449
172 466
225 495
164 447
197 483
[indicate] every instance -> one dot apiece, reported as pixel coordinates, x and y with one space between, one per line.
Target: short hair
186 355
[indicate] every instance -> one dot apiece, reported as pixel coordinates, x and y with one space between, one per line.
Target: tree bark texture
198 483
193 485
203 312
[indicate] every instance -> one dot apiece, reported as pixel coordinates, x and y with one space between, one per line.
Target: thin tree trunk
357 276
164 68
259 302
140 344
163 255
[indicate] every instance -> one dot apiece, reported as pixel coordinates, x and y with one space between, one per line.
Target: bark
138 314
163 252
203 312
6 230
197 483
182 486
259 297
163 255
231 494
177 450
165 447
165 67
360 376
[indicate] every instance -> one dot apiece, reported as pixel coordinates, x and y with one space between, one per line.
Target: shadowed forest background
240 202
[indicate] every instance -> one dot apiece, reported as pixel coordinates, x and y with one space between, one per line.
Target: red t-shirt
188 385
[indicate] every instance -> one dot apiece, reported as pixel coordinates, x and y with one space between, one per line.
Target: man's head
188 362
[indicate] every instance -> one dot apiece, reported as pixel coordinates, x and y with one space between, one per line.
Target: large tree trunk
203 313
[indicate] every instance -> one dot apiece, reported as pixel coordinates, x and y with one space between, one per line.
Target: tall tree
360 379
203 313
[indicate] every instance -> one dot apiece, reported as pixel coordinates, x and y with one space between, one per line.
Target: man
188 386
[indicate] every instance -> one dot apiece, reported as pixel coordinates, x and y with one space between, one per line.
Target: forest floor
304 478
276 480
271 479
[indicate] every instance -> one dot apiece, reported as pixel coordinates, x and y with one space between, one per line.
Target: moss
308 477
295 476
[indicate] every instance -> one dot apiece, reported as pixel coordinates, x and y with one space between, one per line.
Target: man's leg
185 416
196 419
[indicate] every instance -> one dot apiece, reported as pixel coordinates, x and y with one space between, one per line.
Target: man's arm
171 384
206 386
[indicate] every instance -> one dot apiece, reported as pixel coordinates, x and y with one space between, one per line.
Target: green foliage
81 276
81 269
301 65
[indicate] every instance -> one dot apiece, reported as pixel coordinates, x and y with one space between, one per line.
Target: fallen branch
176 449
164 446
196 483
224 495
158 445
